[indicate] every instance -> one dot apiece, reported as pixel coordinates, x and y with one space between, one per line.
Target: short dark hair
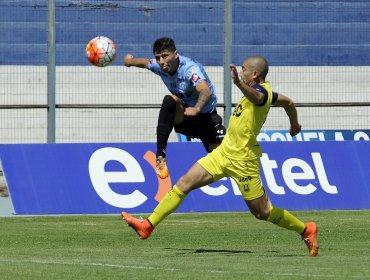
164 43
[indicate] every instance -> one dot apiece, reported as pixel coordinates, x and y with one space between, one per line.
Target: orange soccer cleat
142 227
310 238
161 167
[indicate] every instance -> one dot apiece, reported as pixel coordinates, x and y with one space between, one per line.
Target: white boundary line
57 262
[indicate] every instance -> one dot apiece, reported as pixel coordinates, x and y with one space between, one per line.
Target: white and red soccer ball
101 51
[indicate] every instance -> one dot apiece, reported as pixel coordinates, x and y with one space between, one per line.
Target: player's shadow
204 251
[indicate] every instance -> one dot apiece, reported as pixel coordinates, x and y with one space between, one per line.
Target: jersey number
238 110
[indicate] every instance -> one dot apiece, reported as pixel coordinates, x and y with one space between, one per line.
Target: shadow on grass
202 251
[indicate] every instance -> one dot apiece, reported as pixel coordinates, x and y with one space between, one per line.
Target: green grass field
185 246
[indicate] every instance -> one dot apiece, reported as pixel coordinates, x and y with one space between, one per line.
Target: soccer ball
101 51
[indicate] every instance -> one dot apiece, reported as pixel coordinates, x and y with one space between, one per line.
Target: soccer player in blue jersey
238 157
190 108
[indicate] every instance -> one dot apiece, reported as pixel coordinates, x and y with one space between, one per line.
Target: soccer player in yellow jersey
238 157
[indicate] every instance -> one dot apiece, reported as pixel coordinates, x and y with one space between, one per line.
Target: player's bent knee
169 102
261 214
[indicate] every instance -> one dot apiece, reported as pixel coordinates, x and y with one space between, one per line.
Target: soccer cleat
142 227
309 237
161 168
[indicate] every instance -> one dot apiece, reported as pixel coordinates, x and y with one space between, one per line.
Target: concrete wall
120 85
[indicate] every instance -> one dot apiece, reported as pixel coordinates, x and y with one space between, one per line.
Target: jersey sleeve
154 66
274 97
264 91
194 75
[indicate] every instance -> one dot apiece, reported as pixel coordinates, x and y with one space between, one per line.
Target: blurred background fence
319 55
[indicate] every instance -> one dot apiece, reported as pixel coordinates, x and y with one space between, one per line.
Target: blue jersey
182 84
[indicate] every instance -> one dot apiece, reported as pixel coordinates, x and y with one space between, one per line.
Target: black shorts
206 127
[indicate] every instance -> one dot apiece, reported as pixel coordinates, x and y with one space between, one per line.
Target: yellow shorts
245 173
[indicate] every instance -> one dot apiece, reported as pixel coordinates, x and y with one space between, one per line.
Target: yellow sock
168 204
285 219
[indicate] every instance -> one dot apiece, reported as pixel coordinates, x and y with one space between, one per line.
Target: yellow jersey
240 141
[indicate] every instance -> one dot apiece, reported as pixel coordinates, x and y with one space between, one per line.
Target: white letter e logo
100 178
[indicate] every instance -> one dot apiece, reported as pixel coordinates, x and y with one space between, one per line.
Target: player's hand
234 74
191 111
295 129
127 60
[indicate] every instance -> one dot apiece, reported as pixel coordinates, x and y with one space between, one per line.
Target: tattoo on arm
204 96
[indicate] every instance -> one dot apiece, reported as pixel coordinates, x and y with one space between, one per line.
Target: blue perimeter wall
289 33
105 178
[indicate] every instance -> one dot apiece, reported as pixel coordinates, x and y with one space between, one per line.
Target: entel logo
100 178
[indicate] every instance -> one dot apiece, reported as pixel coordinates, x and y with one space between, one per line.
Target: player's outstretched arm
254 96
291 111
130 60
